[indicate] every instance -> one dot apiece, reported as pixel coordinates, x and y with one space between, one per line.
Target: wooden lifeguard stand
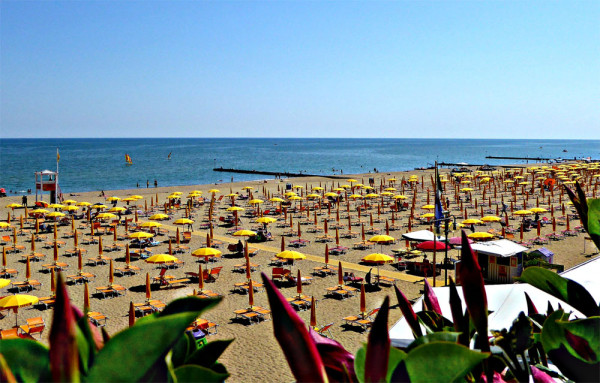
46 180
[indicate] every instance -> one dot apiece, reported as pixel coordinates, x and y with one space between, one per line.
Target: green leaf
395 358
451 337
131 353
189 373
588 330
183 349
562 288
432 321
28 360
359 363
441 362
209 354
562 353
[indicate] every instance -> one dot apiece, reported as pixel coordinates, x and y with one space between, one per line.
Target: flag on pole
57 155
439 211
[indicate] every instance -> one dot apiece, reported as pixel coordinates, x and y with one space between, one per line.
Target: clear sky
481 69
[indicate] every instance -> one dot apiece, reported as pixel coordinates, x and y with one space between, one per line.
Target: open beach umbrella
4 282
523 212
183 221
161 258
244 233
266 220
290 255
159 217
480 235
491 218
431 245
140 235
15 302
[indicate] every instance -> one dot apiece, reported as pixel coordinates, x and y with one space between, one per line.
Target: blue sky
475 69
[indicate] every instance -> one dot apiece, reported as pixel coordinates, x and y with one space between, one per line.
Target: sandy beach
255 354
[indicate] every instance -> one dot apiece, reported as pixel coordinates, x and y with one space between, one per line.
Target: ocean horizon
88 164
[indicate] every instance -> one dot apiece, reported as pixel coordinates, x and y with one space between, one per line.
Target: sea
99 164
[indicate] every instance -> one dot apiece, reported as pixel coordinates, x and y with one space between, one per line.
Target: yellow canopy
290 254
17 300
183 221
161 258
381 238
378 258
206 252
140 235
244 233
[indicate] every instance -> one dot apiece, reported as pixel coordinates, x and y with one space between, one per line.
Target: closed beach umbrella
200 278
131 314
326 255
340 274
86 297
111 273
299 283
313 313
148 290
250 293
363 299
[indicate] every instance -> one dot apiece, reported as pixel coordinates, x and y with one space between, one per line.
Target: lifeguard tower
47 180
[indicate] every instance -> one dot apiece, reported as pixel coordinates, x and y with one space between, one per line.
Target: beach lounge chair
187 236
214 274
325 330
98 319
34 326
279 273
9 334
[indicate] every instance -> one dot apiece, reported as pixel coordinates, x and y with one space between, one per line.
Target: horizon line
295 138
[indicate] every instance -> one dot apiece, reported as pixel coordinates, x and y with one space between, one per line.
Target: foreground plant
457 350
156 348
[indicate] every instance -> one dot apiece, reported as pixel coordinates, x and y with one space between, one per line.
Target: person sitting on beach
240 246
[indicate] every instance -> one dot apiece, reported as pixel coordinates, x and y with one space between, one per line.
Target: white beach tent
506 302
586 274
422 236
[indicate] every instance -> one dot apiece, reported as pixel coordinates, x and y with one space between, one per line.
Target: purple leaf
291 333
531 309
474 294
456 307
496 379
378 348
581 345
64 355
540 376
339 363
408 312
430 299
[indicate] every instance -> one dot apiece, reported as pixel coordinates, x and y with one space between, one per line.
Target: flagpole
56 178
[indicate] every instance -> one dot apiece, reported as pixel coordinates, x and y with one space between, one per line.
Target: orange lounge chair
34 326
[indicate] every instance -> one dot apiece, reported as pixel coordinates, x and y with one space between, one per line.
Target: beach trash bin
200 337
288 186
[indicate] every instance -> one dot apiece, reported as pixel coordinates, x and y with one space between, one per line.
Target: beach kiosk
47 181
501 261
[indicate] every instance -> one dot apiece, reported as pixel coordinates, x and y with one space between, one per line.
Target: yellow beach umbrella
105 216
159 217
183 221
428 207
255 201
161 258
206 252
17 301
150 224
378 258
523 212
276 199
70 202
4 283
235 208
244 233
471 221
266 220
290 254
428 215
116 209
538 210
382 239
55 214
13 205
140 235
70 208
491 218
480 235
113 199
